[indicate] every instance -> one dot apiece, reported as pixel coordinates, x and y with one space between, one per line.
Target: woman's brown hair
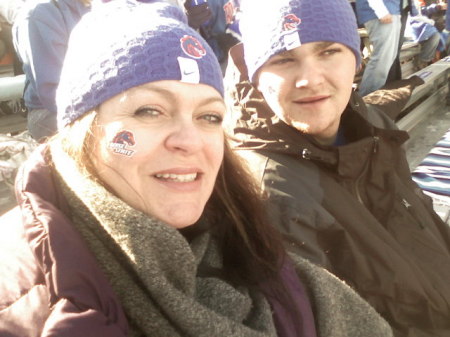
252 247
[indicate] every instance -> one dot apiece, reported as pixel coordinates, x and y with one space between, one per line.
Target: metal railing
11 87
427 97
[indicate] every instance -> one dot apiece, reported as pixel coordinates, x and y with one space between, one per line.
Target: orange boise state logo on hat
192 47
291 21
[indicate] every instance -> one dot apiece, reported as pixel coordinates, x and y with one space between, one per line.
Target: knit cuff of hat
271 27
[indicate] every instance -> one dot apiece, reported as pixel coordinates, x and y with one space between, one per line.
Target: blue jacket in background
219 25
365 13
41 33
447 18
417 28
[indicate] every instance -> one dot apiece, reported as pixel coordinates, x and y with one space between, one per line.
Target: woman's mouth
181 178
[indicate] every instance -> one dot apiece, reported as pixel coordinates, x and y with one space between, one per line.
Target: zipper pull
411 211
406 203
306 154
376 139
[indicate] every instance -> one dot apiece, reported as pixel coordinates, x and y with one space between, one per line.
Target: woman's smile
177 148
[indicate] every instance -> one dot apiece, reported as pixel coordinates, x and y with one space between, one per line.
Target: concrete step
7 199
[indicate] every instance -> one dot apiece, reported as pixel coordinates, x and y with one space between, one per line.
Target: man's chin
302 127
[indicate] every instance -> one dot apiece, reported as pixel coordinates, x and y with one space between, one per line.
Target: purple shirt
288 322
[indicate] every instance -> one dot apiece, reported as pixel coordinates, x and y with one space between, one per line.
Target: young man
334 170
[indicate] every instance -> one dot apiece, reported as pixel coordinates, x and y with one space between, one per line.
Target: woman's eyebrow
209 100
159 90
154 91
171 95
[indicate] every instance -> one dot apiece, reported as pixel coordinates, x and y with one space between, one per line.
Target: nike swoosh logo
290 43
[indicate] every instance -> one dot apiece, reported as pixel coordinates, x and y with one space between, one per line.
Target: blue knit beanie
270 27
126 43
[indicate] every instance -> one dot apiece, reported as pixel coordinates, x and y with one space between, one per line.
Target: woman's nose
185 137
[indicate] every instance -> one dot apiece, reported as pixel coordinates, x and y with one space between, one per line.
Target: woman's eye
212 118
147 111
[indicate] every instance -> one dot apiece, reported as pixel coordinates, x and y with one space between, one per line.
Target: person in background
214 20
137 219
176 3
9 9
395 73
40 35
435 10
422 30
333 169
382 20
447 18
198 13
446 31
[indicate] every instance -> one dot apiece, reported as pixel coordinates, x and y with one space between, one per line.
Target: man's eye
331 51
147 111
281 61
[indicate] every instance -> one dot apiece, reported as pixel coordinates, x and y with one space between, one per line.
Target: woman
137 220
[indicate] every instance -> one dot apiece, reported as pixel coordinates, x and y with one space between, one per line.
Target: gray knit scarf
153 268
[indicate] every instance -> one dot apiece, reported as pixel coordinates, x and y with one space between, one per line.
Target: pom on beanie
123 44
273 26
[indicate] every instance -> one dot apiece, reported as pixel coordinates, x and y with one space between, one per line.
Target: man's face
309 87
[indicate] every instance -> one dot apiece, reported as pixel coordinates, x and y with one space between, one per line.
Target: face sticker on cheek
266 85
122 142
271 90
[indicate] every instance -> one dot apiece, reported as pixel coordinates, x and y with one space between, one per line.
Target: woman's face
160 146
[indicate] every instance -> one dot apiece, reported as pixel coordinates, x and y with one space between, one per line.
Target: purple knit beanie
126 43
270 27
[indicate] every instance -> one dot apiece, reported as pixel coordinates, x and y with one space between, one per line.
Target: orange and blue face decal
291 22
192 47
121 143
